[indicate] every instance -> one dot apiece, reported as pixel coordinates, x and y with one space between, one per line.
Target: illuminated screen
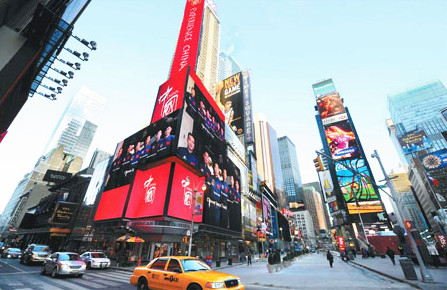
182 191
151 143
148 194
435 160
112 202
341 140
331 108
414 141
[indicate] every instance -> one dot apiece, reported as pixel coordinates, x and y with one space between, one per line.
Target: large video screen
331 108
435 160
152 143
148 194
201 145
112 203
185 185
357 187
341 140
414 141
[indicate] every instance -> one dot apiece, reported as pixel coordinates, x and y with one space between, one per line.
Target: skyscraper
228 66
268 159
77 125
314 204
207 61
293 187
419 108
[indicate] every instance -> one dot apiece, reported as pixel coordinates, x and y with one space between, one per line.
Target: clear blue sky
369 48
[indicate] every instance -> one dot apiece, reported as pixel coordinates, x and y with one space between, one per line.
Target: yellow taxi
181 272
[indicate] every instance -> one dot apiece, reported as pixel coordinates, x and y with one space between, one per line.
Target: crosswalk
91 280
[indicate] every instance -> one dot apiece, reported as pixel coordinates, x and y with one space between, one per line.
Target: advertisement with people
341 140
414 141
229 93
331 108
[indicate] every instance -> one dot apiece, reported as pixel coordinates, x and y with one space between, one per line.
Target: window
159 264
173 263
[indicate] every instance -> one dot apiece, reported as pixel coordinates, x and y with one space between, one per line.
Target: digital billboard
112 203
185 185
267 213
323 88
341 140
187 48
327 185
331 108
151 143
414 141
357 188
435 160
248 112
148 194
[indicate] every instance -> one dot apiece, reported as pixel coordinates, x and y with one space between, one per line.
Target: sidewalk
223 265
386 268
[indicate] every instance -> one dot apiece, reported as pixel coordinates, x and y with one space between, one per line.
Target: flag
432 180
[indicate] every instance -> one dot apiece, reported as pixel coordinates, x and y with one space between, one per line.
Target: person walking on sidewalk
248 258
330 258
390 253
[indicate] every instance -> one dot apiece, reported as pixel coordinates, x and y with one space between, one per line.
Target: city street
14 275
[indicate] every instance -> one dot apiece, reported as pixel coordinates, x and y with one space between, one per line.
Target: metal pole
192 220
425 274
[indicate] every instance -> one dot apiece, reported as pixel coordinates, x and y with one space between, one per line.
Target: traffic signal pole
425 274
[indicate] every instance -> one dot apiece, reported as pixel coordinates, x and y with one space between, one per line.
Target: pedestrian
248 259
209 260
401 249
390 253
330 258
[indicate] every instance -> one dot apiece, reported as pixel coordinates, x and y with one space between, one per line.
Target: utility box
408 269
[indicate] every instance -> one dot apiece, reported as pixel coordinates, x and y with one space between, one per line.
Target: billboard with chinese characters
434 160
187 49
331 108
233 96
357 189
341 140
414 141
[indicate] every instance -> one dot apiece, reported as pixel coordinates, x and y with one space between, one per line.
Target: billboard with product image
341 140
331 108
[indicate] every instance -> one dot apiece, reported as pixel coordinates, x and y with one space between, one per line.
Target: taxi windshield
190 265
41 249
98 255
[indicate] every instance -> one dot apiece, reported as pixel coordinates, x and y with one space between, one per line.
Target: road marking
90 284
105 282
17 268
11 284
117 279
21 273
69 285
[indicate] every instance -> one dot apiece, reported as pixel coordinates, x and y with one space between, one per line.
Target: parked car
64 263
35 253
95 260
12 253
181 272
2 247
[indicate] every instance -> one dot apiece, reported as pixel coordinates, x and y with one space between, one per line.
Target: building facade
293 187
304 222
228 66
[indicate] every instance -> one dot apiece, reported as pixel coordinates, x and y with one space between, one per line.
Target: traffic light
409 225
318 164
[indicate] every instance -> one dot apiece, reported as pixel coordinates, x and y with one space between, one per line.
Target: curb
386 275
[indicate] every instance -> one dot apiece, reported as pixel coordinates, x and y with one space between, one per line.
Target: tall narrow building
293 187
228 66
77 125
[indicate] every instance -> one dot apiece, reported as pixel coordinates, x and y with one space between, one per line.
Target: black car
35 253
12 253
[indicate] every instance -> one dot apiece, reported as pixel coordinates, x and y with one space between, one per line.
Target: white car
96 260
63 263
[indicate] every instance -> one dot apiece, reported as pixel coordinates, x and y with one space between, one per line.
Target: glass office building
293 187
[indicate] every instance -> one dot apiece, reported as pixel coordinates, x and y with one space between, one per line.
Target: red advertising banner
188 40
441 240
2 135
181 202
170 97
148 194
112 202
341 243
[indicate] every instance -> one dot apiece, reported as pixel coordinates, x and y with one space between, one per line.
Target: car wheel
42 271
54 273
89 265
194 287
142 284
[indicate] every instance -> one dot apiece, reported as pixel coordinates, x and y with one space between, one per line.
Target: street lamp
425 274
194 197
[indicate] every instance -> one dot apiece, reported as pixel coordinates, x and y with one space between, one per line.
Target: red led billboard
112 203
148 194
170 96
187 48
182 192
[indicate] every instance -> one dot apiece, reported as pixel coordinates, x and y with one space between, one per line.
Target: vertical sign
188 40
248 116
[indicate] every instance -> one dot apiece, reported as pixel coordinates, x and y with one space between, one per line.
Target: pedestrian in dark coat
390 253
330 258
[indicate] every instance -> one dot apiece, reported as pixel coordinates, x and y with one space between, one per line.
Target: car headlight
239 282
63 266
215 285
33 256
9 256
